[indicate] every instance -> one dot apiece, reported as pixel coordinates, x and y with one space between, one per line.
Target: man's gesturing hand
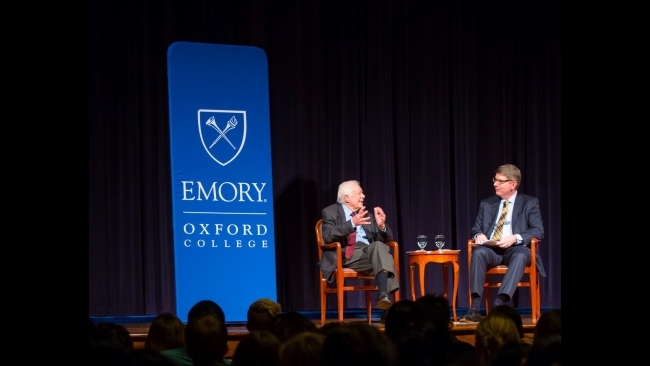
380 217
361 217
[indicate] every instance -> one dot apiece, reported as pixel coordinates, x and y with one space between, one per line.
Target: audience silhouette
167 336
146 357
434 309
108 344
257 348
546 352
328 327
261 313
206 337
547 340
513 314
510 354
288 324
399 317
304 348
549 324
358 344
106 331
206 305
415 333
494 331
423 345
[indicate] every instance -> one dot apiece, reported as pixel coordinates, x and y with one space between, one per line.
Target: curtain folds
433 96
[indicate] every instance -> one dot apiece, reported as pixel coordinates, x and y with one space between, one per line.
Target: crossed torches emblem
232 122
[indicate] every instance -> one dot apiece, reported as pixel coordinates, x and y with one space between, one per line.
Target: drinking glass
440 242
422 241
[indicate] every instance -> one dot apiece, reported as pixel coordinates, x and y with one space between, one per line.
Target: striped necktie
502 219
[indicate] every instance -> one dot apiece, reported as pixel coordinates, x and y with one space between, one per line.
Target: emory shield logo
223 133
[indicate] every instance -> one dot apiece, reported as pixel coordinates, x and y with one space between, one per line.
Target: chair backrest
319 233
319 237
333 246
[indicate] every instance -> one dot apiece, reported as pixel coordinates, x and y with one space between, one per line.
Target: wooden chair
530 272
342 274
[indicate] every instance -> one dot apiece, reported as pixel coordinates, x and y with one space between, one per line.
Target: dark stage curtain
418 100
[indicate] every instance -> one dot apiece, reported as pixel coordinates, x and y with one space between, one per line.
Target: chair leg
369 306
539 301
535 302
486 295
340 283
323 302
339 301
515 298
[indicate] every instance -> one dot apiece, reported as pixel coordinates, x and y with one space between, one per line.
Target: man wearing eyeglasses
510 219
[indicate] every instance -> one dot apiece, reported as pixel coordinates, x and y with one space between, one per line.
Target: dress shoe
497 302
384 301
472 315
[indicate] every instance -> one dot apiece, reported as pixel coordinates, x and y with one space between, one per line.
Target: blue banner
220 136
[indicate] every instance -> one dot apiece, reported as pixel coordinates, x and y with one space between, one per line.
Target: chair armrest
393 244
395 249
533 243
330 246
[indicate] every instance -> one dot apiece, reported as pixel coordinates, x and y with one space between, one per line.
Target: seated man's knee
522 257
379 245
479 253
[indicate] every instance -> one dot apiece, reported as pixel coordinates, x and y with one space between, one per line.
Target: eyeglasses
494 180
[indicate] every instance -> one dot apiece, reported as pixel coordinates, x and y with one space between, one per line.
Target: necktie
352 241
502 219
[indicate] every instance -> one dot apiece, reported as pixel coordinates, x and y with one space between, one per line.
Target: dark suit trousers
517 258
372 259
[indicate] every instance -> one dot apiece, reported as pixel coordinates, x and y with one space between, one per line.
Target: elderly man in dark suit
363 237
510 220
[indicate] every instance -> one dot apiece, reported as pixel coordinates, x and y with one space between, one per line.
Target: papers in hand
489 243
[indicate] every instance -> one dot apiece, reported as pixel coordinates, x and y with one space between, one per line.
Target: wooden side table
421 258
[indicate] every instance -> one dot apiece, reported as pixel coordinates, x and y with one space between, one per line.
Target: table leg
445 278
421 269
453 303
411 265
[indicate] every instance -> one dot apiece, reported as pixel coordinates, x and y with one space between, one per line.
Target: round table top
434 252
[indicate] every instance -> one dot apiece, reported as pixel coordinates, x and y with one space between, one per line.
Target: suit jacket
337 228
526 221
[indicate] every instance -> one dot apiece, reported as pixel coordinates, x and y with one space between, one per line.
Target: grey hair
346 188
